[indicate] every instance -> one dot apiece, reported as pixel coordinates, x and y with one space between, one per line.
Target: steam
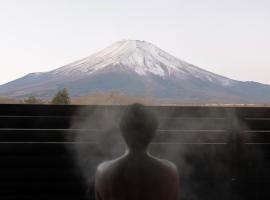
97 138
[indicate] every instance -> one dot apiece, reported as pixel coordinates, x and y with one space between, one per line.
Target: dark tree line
60 98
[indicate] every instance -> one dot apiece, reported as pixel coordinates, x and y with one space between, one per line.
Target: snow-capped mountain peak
140 56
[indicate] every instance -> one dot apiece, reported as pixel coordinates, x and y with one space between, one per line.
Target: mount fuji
135 67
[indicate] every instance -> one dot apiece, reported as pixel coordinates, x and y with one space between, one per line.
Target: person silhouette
137 175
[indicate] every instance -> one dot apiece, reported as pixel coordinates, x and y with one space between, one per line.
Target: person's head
138 126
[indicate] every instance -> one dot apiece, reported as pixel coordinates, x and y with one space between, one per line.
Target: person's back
137 175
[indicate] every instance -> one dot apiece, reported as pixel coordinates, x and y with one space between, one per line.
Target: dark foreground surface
51 152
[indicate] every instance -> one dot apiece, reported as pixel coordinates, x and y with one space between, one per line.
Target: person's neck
137 153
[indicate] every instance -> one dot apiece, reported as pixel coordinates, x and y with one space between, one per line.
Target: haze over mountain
140 68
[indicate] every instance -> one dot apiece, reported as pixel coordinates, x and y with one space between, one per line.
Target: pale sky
227 37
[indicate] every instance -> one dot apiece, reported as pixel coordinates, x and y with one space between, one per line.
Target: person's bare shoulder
170 164
171 167
172 179
102 175
106 167
103 168
165 162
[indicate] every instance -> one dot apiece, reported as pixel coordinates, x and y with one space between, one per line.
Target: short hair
138 126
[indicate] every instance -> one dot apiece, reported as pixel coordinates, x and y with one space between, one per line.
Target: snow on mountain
141 57
140 68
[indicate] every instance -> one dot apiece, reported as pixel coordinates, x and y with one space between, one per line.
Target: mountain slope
138 68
